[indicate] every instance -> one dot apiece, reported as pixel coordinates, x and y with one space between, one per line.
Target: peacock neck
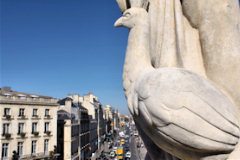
137 60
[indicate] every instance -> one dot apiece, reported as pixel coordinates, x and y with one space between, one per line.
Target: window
5 128
34 112
20 148
34 127
34 146
6 111
46 146
21 112
20 128
46 112
46 127
4 150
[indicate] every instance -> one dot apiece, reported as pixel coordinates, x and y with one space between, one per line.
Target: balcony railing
35 133
41 155
47 116
22 116
7 135
48 133
7 116
22 134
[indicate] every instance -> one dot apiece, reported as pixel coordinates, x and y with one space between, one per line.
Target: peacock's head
131 17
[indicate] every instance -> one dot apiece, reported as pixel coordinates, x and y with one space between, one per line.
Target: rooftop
14 97
20 94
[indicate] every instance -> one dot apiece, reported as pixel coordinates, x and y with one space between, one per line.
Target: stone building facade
84 134
109 114
73 130
116 120
96 120
28 125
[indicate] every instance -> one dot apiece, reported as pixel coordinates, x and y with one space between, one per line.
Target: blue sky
56 47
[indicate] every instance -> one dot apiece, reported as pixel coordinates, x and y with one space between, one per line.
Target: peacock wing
188 110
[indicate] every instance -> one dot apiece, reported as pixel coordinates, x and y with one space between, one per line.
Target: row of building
42 127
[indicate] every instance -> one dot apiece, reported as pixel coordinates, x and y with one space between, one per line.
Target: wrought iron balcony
7 116
35 133
22 134
48 133
7 135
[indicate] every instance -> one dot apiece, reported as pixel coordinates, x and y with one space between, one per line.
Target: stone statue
182 76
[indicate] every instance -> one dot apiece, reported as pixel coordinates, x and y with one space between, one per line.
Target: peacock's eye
127 14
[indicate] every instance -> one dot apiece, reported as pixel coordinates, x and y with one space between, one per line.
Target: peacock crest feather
126 4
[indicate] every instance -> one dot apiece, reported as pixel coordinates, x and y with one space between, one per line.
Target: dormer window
21 96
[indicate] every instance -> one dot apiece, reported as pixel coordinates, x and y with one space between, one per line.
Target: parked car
128 155
112 154
115 147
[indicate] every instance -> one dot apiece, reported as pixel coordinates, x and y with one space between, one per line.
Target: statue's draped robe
175 43
170 36
210 49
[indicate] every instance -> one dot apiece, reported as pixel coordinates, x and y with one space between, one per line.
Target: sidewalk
103 147
142 153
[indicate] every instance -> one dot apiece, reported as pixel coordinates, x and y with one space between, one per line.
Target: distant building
28 125
97 122
73 130
116 119
101 124
84 134
93 136
109 113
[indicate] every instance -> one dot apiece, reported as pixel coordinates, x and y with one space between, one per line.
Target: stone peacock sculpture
175 108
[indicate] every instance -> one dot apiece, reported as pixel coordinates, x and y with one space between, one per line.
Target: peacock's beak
118 23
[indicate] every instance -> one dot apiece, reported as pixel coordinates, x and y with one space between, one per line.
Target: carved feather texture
122 5
139 3
176 107
126 4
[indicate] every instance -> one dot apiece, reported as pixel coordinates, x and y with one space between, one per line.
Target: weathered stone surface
181 76
122 5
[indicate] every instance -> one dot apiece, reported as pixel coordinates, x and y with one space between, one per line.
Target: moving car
112 154
128 155
119 154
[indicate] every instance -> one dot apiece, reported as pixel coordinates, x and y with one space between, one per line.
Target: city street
133 148
132 144
137 153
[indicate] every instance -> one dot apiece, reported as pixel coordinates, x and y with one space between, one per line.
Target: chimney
6 88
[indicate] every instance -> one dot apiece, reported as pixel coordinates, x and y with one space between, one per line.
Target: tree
15 155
